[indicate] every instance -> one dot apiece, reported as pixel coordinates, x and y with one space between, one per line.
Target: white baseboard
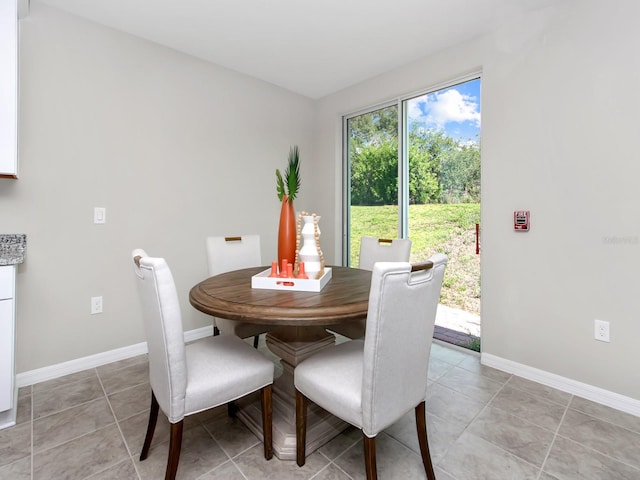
72 366
198 333
595 394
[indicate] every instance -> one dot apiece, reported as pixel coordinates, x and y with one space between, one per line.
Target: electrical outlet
96 305
602 331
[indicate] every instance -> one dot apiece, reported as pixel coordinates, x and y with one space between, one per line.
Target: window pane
443 150
372 156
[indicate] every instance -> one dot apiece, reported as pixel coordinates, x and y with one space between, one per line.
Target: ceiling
313 48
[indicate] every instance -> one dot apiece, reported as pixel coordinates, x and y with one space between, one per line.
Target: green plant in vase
290 184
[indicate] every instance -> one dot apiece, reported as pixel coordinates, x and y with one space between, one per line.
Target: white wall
8 88
175 148
559 108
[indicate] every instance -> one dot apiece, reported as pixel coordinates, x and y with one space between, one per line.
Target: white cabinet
7 337
9 88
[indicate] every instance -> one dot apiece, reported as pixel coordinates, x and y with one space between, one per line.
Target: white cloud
414 109
443 108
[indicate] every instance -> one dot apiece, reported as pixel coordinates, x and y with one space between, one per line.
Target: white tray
262 280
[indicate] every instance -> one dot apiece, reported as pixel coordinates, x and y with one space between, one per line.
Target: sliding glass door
412 169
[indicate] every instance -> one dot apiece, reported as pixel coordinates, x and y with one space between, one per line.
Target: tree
441 169
460 175
374 175
426 149
374 128
373 148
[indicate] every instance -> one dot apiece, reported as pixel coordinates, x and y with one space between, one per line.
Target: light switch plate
99 215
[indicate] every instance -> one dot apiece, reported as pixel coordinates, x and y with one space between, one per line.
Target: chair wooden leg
301 428
151 427
256 340
232 409
370 457
175 444
421 424
267 421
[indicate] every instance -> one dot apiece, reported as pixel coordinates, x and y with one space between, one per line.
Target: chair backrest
397 345
374 250
232 253
165 338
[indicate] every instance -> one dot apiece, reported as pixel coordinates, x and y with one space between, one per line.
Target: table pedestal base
292 345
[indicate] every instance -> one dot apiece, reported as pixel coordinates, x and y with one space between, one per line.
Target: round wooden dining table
300 321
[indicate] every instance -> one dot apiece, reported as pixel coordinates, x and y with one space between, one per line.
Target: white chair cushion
226 255
221 369
333 379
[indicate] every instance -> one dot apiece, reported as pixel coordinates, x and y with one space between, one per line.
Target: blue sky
454 109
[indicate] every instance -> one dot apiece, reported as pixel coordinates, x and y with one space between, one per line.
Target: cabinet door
6 282
8 88
6 355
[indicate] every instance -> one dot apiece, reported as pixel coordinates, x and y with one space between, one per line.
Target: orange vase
287 232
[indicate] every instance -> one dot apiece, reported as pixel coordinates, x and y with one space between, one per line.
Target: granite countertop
12 247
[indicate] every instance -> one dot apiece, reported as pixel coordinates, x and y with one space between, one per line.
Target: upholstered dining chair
372 383
233 253
187 379
372 250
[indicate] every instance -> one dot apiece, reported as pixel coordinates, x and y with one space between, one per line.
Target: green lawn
445 228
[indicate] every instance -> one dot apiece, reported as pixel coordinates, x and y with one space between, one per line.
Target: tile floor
482 424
